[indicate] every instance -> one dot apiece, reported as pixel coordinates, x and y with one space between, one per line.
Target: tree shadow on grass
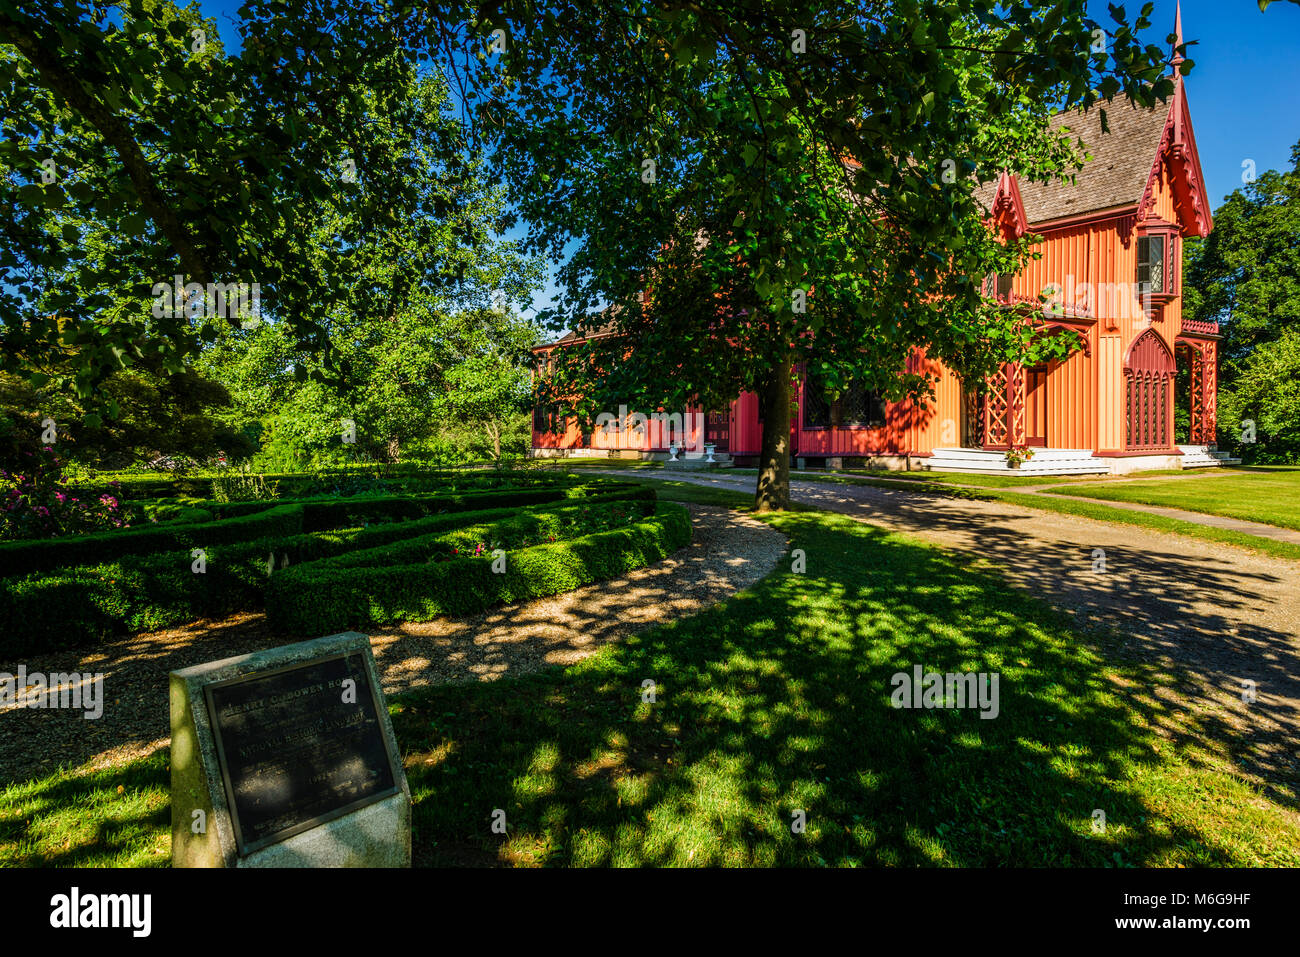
116 817
1174 602
775 708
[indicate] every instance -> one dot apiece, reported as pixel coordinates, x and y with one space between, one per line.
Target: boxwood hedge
408 478
22 557
321 598
241 524
87 603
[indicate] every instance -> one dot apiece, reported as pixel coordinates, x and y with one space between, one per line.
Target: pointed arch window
1148 395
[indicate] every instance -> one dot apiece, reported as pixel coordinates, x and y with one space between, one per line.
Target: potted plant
1017 454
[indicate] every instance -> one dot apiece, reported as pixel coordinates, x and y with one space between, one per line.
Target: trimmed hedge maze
325 565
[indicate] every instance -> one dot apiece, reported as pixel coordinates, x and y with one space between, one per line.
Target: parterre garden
425 546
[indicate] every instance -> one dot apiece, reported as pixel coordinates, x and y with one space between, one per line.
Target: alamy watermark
216 300
1115 300
64 690
684 430
968 689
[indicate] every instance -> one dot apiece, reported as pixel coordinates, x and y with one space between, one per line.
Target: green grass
870 476
1160 523
778 701
118 817
1268 494
973 479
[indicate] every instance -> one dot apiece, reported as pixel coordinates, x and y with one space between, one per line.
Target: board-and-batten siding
910 426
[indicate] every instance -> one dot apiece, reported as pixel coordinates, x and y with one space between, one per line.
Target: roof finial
1178 33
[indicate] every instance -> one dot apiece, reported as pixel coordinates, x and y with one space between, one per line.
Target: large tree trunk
773 492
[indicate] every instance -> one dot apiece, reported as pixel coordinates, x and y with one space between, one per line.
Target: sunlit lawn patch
1268 494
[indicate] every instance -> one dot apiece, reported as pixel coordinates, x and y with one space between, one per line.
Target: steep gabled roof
1118 172
1116 176
1126 162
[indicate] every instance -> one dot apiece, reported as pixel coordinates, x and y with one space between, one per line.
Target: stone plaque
298 746
286 758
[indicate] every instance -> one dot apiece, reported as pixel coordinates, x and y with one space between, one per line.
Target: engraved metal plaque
299 746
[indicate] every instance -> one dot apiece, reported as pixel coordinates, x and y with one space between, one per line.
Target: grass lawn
1268 494
774 702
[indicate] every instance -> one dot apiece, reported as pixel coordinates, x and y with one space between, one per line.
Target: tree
410 376
135 149
490 386
159 414
1261 411
1246 276
427 296
792 185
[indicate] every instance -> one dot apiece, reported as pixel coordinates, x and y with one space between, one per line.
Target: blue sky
1244 92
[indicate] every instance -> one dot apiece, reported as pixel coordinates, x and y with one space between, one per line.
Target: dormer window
998 287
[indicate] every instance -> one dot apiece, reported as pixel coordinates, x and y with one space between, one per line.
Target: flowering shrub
37 502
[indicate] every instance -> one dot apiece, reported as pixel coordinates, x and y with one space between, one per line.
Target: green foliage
139 591
1265 391
1246 276
285 519
785 205
155 414
239 485
172 156
312 598
48 554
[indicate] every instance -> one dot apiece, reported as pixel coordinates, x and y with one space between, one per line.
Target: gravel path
1224 614
728 552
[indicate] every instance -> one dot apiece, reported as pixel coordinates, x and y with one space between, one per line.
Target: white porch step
1044 462
1205 456
720 460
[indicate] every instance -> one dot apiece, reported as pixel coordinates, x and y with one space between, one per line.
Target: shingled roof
1115 176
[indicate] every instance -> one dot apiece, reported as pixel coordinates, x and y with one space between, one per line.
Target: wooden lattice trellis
1004 408
1203 369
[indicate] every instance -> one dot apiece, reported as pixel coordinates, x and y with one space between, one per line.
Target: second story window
1157 262
1151 262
